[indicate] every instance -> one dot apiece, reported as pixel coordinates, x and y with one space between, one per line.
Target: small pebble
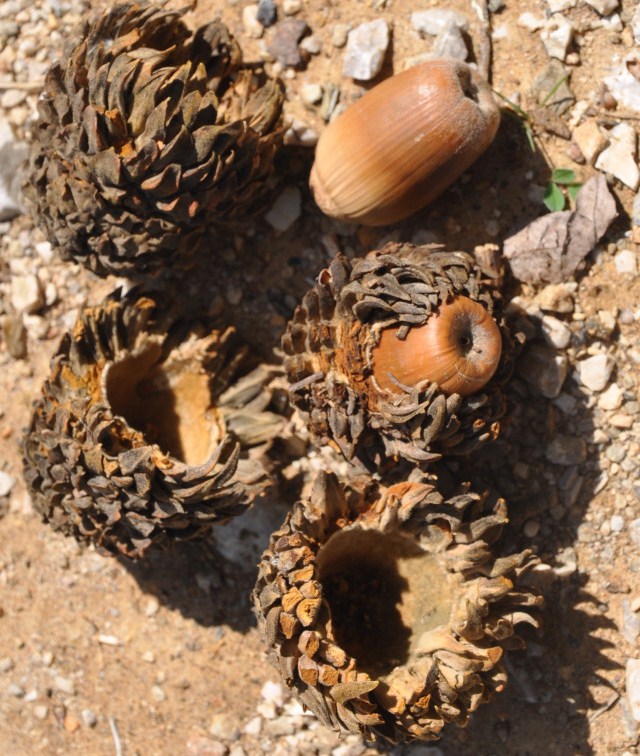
590 140
40 711
366 47
65 685
17 691
6 664
544 369
630 622
157 693
633 687
224 727
594 372
556 36
567 562
267 13
611 398
151 607
626 262
273 691
619 158
556 333
604 7
433 21
286 210
250 21
291 7
284 41
621 421
566 450
634 531
557 6
12 155
89 719
617 524
253 726
6 484
312 44
312 93
340 34
616 453
450 43
71 723
531 528
530 21
26 293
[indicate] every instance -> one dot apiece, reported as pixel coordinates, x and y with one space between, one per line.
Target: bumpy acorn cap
330 348
387 611
147 133
143 432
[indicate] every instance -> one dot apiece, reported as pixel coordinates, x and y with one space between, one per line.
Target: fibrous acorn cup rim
457 663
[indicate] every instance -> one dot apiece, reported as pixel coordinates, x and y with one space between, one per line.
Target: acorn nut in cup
403 143
458 348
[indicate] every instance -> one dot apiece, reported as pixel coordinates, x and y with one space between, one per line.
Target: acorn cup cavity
401 354
388 610
403 143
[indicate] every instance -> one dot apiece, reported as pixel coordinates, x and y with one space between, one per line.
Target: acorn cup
401 354
388 610
403 143
151 427
147 134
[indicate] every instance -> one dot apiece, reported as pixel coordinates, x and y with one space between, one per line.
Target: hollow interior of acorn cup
168 401
384 592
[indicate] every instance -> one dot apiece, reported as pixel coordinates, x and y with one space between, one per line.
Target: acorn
458 348
403 143
400 355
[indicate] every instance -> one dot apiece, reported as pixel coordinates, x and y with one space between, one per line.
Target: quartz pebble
594 372
6 484
273 691
556 36
26 293
619 158
312 93
450 44
6 664
626 262
530 21
633 687
286 209
604 7
250 21
590 140
65 685
556 333
436 20
340 34
623 85
557 6
366 47
611 398
544 369
40 711
12 155
89 718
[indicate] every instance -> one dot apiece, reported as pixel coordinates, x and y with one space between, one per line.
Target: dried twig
115 735
484 43
605 707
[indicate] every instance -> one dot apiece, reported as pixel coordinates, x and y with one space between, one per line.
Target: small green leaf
573 190
563 176
554 199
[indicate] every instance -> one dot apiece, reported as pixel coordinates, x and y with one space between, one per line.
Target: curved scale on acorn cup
400 354
147 134
151 427
388 610
403 143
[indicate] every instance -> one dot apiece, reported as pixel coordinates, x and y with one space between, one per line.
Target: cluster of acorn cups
383 601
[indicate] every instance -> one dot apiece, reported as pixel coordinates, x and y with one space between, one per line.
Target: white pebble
450 44
530 21
253 726
556 333
604 7
26 293
65 685
273 691
157 693
433 21
366 48
633 687
594 372
12 154
311 93
611 398
626 261
556 36
6 483
290 7
285 211
617 524
41 711
556 6
590 140
619 158
252 26
89 718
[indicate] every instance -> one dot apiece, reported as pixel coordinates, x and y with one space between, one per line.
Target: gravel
366 47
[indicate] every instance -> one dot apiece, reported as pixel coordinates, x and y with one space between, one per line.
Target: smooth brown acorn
403 143
458 348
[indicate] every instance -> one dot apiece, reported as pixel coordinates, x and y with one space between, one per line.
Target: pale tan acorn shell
403 143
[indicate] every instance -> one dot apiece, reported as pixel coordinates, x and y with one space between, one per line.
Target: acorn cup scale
403 143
